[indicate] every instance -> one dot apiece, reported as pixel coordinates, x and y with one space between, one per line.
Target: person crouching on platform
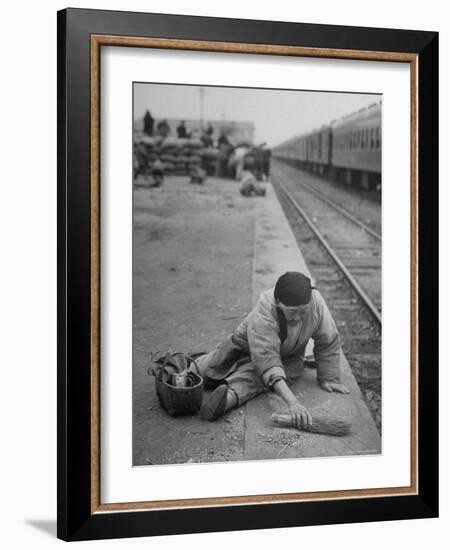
249 186
266 351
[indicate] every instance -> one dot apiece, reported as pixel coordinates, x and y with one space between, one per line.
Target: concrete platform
193 271
245 433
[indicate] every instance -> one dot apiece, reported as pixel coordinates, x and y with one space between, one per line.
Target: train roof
373 110
304 135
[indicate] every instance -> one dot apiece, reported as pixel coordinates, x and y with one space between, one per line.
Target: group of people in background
248 164
163 129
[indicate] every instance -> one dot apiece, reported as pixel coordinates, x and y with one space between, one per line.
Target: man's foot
216 404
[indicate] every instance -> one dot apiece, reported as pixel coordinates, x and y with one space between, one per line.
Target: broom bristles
321 424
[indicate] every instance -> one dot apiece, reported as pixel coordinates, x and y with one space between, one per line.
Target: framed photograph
247 274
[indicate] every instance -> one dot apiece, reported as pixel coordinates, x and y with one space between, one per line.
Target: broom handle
282 420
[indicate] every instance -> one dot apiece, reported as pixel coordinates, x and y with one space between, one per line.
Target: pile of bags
179 156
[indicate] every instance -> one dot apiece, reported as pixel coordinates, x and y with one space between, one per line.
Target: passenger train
347 150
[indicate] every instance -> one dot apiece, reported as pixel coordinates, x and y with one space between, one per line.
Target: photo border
81 34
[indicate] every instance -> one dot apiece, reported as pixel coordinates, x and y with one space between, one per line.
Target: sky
276 114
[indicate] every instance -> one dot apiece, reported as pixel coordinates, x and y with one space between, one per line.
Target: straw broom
321 424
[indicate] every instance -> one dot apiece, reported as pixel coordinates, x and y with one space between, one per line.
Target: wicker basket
178 400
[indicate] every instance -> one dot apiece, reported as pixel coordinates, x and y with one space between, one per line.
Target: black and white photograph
257 274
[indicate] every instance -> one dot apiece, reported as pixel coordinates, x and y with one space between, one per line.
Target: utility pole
202 95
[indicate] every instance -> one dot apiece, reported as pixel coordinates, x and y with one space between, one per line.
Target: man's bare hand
333 386
300 416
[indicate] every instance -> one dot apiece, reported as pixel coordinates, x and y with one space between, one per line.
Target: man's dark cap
293 289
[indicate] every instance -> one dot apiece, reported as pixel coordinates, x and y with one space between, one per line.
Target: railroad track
339 208
360 204
354 248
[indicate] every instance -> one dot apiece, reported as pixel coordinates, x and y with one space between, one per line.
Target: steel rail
339 208
366 300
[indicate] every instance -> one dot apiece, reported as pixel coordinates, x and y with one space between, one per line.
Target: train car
287 150
302 150
348 149
318 150
356 148
311 151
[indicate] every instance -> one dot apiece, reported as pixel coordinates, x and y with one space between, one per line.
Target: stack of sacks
146 151
168 154
180 156
192 152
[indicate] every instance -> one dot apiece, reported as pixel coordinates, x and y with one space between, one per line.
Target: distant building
236 131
